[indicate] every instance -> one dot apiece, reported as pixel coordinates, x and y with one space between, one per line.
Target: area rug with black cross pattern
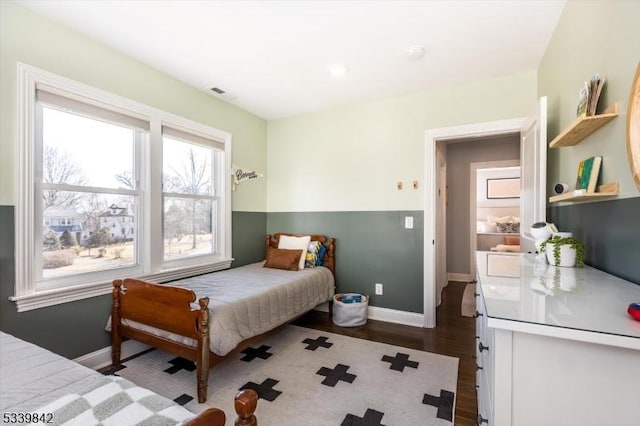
312 377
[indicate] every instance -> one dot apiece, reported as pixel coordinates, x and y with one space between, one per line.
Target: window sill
70 294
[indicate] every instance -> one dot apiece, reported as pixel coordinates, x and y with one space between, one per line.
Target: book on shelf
589 95
588 174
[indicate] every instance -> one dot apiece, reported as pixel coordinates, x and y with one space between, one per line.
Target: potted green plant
563 251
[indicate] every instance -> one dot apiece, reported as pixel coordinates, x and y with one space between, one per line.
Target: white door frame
491 128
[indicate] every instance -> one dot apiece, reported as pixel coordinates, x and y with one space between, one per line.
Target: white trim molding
43 299
399 317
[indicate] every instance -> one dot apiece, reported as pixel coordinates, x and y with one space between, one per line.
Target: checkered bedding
115 401
36 381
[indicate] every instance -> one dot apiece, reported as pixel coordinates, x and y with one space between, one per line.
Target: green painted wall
371 247
614 248
248 235
604 37
349 158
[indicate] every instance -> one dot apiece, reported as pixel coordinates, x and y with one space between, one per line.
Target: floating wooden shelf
583 126
604 191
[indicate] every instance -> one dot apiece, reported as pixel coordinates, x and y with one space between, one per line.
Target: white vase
567 255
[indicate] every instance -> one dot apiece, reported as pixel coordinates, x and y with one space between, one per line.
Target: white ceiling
273 57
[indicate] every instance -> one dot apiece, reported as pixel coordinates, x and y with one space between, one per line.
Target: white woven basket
350 314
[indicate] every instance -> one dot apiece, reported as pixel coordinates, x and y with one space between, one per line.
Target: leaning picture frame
500 188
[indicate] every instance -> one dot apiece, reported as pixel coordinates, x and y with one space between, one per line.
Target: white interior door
533 161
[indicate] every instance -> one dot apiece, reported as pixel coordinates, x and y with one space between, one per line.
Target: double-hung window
111 188
191 194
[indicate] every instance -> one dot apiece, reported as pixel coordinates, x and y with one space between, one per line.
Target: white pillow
496 219
296 243
486 227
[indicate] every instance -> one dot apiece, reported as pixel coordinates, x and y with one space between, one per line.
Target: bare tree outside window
77 221
126 179
58 168
187 171
193 176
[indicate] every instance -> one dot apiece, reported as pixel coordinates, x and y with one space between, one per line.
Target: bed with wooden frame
141 309
39 386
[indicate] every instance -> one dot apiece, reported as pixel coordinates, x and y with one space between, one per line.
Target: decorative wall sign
503 188
241 175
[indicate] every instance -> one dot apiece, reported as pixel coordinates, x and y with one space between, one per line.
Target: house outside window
91 199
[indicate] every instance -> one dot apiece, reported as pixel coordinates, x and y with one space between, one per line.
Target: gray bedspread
63 392
251 300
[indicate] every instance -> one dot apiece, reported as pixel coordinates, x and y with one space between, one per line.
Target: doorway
532 131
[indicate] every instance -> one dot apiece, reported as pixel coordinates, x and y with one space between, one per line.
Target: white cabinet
554 346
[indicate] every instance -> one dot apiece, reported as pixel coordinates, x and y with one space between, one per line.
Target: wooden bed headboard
329 260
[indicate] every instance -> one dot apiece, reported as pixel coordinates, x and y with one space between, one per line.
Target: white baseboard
389 315
102 357
399 317
464 278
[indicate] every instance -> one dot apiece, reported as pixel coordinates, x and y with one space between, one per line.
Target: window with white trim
111 188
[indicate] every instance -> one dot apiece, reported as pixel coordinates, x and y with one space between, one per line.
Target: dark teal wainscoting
610 230
249 230
71 329
371 247
77 328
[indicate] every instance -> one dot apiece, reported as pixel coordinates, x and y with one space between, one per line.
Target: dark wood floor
453 336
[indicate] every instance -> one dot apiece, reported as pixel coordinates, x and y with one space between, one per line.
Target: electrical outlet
378 288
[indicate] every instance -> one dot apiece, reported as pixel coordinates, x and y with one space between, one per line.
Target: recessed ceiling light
338 70
415 52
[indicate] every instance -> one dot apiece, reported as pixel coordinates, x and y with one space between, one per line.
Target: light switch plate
408 222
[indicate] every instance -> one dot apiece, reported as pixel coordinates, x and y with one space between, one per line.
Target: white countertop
524 293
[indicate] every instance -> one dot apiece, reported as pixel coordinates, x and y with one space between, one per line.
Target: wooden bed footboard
166 308
245 403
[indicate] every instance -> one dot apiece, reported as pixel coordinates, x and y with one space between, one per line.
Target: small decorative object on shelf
563 250
605 190
541 232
